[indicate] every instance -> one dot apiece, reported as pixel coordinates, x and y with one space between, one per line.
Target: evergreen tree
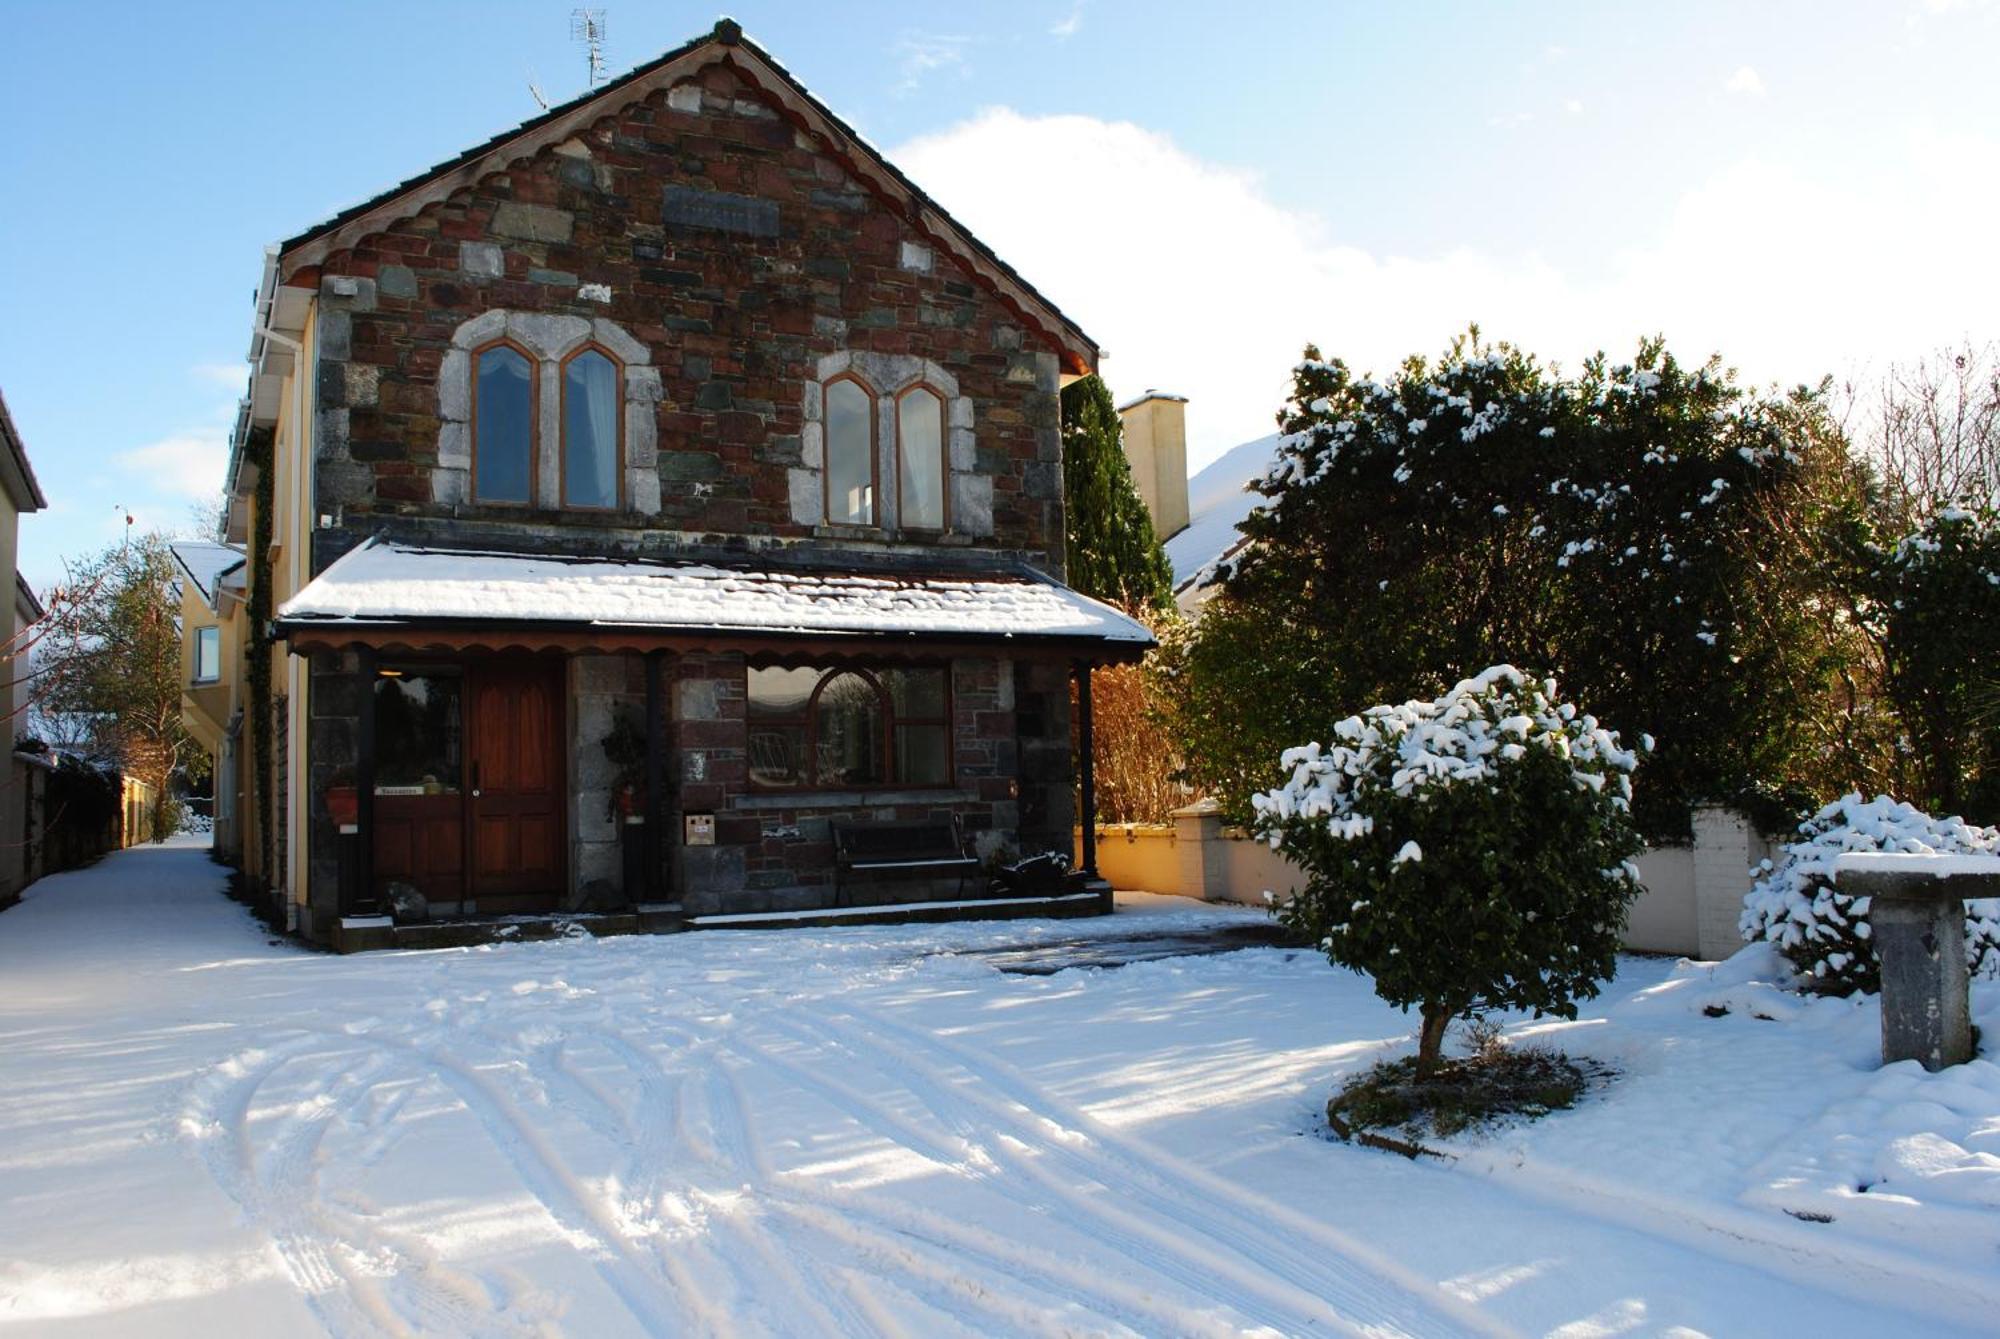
1112 550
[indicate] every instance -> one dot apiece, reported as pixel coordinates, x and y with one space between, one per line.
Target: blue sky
1809 188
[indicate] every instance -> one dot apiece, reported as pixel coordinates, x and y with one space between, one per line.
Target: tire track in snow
1345 1282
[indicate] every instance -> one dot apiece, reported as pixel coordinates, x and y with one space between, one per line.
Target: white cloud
1746 81
184 464
1196 280
1573 106
1066 26
920 55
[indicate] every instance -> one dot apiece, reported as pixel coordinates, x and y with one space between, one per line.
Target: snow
207 564
387 582
1219 497
871 1130
1934 866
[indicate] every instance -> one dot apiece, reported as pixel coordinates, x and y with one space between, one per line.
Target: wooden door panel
515 746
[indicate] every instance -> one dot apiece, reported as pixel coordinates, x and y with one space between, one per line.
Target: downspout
296 537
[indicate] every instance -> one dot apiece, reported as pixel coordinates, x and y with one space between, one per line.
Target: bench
927 848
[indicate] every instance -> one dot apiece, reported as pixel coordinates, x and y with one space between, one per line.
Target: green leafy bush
1469 852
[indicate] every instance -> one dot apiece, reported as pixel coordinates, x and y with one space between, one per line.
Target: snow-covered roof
384 582
207 564
1217 500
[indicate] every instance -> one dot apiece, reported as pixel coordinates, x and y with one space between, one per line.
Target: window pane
916 692
920 434
781 692
590 431
417 737
850 455
923 756
777 754
849 732
208 653
505 428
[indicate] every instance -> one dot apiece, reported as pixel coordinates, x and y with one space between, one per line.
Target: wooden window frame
534 422
562 426
874 521
808 721
944 459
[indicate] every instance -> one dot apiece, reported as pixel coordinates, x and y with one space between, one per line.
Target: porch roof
391 593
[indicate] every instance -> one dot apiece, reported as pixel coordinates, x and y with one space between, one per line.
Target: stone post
1916 915
1204 859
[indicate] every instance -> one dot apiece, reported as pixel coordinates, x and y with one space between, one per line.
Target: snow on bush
1824 933
1468 852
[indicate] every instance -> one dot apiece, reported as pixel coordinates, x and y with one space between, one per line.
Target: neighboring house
19 493
675 417
213 623
1196 518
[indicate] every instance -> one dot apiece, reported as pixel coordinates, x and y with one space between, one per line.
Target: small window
592 437
920 471
503 425
849 728
419 737
850 453
207 655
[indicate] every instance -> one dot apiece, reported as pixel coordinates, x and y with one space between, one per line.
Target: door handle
475 781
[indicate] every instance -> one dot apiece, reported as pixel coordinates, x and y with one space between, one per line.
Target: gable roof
298 257
1219 497
15 472
206 565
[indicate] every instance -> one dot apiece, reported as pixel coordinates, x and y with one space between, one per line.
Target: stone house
19 495
637 501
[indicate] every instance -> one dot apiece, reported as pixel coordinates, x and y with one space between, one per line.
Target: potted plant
625 749
343 800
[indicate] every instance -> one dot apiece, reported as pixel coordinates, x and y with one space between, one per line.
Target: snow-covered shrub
1824 933
1468 852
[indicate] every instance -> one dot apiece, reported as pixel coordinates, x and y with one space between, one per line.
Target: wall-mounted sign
700 829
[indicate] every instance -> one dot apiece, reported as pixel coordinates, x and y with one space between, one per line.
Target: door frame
468 665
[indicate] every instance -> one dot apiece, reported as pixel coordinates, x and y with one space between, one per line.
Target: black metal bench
928 848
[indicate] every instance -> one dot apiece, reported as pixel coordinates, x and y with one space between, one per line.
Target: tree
112 664
1933 426
1939 610
1468 852
1113 553
1637 527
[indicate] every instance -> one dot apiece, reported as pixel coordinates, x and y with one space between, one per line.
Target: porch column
656 744
364 780
1087 746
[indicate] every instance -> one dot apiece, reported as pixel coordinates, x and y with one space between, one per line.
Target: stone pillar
1204 858
1725 848
1916 917
1086 747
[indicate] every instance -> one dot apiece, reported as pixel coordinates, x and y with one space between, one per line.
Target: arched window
920 471
593 453
503 425
850 453
849 728
850 731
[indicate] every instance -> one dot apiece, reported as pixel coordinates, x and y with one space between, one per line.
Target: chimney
1156 445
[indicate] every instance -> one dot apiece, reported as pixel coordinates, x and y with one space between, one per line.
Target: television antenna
587 26
535 92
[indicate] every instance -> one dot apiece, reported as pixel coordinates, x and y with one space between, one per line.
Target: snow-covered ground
875 1131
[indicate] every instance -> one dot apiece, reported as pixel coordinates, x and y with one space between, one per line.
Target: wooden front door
514 816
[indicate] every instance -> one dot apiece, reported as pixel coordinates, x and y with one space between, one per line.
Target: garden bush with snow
1467 852
1823 932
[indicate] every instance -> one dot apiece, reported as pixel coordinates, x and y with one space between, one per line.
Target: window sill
205 683
849 799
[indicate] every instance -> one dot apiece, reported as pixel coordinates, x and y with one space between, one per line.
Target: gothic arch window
593 437
921 466
849 727
851 485
503 424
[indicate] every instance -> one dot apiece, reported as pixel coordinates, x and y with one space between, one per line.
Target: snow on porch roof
385 583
